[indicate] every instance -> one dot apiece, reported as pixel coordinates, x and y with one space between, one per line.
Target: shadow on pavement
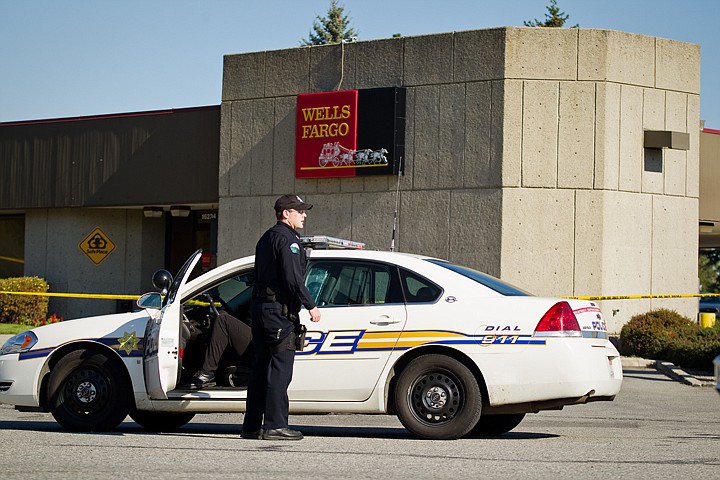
204 429
646 374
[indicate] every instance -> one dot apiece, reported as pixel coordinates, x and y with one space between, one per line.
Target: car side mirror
152 300
162 279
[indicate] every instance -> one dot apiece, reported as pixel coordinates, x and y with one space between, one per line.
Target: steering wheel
213 308
223 304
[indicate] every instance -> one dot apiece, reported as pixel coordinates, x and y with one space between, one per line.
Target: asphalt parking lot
656 427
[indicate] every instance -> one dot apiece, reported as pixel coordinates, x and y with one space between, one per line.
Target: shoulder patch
295 248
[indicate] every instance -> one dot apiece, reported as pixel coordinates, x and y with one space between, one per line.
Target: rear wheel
438 397
494 425
160 421
87 391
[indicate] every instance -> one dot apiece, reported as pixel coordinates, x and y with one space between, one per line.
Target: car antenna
397 197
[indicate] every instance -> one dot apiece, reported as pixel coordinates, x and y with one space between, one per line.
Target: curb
636 362
679 375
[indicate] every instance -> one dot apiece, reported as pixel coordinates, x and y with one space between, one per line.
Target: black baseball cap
291 202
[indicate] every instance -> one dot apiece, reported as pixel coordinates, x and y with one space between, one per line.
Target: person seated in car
226 331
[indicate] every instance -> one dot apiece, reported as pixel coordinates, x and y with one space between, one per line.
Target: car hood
92 328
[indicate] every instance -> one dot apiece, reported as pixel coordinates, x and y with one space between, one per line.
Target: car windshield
489 281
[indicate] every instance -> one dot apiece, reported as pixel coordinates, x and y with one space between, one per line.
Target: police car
449 350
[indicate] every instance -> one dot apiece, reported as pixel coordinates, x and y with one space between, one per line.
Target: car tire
160 421
88 392
494 425
437 397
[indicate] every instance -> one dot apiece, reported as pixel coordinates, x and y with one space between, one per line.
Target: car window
234 294
172 291
418 289
335 283
489 281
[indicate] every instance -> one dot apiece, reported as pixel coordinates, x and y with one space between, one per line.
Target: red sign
326 134
206 260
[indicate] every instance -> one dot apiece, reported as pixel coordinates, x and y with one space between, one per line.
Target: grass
13 328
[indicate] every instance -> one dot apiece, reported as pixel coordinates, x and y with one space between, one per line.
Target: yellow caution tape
198 302
10 259
96 295
75 295
635 297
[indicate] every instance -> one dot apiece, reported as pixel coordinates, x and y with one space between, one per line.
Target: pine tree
708 268
554 17
333 28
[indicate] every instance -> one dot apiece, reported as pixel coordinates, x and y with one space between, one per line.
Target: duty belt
265 293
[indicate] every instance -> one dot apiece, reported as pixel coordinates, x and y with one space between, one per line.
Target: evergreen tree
333 28
708 268
554 17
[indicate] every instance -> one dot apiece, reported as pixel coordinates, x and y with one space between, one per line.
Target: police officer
278 294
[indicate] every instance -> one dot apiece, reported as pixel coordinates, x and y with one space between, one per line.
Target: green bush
666 335
23 309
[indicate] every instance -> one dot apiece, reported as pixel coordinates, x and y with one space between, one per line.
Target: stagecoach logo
335 155
97 246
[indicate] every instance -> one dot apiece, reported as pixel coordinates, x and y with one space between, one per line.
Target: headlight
22 342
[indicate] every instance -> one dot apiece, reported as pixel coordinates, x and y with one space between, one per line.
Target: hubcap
86 392
436 397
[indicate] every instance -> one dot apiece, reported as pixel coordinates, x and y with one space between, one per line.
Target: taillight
559 321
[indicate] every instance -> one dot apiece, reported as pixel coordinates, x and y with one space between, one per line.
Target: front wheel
160 421
87 391
437 397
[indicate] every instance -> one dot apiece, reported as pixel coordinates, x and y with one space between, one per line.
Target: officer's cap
291 202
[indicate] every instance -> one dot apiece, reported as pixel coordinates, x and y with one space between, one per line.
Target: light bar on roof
323 242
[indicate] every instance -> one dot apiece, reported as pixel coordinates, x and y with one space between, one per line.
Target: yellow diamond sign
97 246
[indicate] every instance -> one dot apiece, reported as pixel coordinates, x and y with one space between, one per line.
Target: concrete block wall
524 155
53 236
453 166
631 231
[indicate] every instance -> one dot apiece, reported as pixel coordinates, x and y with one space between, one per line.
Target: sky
70 58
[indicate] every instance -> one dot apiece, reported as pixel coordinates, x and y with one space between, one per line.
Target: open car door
161 356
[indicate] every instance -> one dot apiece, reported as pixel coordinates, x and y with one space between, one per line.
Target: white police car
449 350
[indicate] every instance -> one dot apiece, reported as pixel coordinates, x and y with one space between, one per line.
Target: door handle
384 320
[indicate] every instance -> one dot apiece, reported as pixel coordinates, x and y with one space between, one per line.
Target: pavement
693 379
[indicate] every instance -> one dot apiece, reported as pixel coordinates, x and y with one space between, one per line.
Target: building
73 197
709 191
565 161
526 156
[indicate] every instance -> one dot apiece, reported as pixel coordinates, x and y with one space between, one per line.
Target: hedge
664 334
23 309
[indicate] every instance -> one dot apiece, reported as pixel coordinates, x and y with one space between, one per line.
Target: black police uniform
278 294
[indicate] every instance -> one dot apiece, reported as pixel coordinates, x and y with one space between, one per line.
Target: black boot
202 379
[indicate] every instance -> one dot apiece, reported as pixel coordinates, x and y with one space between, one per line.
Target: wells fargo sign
349 133
326 130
